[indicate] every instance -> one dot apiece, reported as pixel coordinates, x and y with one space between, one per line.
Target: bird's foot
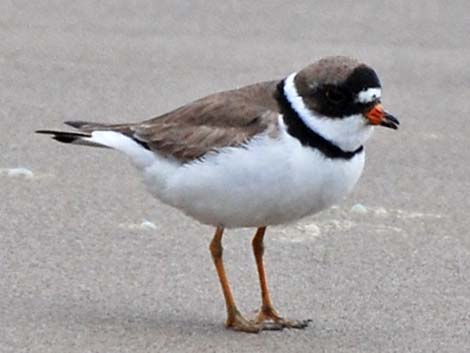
237 322
269 319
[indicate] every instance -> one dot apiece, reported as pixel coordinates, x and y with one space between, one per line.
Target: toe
239 323
297 324
253 328
272 326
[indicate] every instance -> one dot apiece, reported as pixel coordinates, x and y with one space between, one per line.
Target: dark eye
335 95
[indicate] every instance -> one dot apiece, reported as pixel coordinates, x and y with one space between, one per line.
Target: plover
265 154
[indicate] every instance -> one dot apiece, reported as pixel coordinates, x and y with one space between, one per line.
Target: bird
261 155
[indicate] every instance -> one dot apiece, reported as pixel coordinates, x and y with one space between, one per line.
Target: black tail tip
65 137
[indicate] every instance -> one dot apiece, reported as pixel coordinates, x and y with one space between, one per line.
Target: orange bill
378 116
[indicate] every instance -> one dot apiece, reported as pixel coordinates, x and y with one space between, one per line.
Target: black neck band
307 137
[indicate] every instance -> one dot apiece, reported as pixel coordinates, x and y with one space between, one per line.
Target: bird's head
340 98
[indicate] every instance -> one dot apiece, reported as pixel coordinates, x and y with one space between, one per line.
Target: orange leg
268 316
235 320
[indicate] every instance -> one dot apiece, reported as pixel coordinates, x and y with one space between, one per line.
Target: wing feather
220 120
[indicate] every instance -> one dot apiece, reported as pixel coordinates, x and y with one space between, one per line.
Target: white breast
269 181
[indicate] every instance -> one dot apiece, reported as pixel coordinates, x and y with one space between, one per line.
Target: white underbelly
270 181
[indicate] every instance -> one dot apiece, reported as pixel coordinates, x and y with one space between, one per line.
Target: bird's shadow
133 320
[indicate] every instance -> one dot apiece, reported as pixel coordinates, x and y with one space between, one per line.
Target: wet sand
387 270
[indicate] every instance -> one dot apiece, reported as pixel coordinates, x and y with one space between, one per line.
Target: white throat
347 133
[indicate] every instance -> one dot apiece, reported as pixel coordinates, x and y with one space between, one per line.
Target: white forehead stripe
369 95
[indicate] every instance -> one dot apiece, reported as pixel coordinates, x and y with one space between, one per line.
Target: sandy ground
79 272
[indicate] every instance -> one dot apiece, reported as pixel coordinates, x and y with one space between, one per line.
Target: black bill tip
389 121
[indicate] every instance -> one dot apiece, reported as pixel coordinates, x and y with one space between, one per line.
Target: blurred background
90 262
